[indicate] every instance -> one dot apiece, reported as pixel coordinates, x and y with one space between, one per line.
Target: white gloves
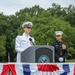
61 59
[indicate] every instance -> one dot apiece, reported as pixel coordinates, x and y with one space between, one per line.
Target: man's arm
56 55
66 52
17 44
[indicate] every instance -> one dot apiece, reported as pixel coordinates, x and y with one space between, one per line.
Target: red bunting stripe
48 67
74 70
8 67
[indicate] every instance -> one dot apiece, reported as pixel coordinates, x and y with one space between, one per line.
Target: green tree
45 23
2 47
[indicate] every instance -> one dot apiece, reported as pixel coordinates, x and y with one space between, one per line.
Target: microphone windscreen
30 39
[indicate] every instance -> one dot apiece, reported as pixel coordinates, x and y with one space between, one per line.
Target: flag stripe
5 70
26 69
38 69
48 68
66 68
1 66
19 69
74 70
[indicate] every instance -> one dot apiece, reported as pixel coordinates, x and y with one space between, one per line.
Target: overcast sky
9 7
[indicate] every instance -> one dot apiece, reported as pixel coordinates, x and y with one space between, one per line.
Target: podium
38 54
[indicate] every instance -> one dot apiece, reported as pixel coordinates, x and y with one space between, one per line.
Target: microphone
30 39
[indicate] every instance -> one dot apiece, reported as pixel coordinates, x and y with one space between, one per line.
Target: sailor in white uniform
24 41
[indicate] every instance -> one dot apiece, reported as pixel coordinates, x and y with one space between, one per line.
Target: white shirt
22 43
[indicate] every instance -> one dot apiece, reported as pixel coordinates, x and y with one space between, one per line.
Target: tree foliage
45 23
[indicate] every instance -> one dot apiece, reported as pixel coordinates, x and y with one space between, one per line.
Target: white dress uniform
22 42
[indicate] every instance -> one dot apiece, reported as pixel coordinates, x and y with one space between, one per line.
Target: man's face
27 30
58 37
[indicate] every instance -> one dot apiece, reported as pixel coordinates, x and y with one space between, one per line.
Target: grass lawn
70 60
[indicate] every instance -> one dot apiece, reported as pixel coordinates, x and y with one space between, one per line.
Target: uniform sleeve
18 44
56 55
66 52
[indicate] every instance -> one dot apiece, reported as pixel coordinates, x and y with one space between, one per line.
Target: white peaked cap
27 24
58 32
